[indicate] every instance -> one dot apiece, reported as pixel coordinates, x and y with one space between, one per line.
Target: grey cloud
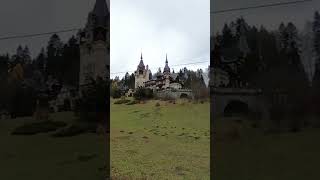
270 17
179 28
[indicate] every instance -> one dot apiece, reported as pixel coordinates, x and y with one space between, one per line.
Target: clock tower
94 45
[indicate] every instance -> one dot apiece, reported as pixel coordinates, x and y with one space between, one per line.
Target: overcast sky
180 28
270 17
177 27
19 17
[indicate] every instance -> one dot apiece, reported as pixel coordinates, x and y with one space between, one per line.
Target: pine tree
18 57
316 35
54 56
70 62
127 80
307 52
26 55
281 37
41 61
132 81
243 45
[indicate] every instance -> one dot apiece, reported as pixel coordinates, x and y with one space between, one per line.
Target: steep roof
174 76
166 68
101 8
101 12
141 64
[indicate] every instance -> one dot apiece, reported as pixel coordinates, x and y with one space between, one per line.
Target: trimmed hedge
75 129
132 102
122 101
143 94
39 127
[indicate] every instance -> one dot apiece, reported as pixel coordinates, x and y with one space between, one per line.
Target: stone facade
175 86
142 74
174 94
160 81
94 49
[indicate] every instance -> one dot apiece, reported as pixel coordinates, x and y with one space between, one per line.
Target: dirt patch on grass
123 137
132 152
144 115
180 171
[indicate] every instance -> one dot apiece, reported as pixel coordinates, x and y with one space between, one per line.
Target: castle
94 45
160 81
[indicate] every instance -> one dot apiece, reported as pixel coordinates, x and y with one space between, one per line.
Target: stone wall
174 94
175 85
252 97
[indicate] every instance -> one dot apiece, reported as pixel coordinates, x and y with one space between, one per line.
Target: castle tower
166 73
141 74
94 45
166 69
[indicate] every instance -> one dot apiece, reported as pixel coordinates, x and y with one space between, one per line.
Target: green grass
41 156
255 155
171 141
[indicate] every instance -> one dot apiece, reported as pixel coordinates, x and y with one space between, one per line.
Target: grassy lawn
40 156
170 141
254 155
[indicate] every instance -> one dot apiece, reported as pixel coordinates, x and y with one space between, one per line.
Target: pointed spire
100 14
166 68
141 64
101 8
166 58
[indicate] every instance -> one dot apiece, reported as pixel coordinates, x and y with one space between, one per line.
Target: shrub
184 96
75 129
168 98
132 102
116 93
122 101
94 102
173 101
143 94
40 127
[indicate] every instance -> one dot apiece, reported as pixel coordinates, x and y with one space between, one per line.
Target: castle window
99 34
